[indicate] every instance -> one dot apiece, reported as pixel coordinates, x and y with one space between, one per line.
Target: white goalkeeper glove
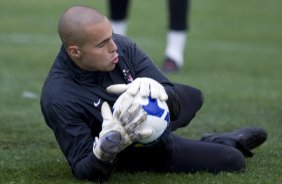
118 130
146 86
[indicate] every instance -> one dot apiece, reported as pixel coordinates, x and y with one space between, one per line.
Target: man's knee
232 160
190 96
190 101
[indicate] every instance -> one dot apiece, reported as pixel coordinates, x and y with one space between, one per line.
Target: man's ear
73 51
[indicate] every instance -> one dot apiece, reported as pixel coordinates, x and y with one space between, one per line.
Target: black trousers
178 15
173 153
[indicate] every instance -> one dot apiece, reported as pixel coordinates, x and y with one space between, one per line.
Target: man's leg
181 155
244 139
184 102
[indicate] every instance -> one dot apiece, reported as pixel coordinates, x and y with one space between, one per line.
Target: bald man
76 105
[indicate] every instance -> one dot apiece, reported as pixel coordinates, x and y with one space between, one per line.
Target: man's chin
111 68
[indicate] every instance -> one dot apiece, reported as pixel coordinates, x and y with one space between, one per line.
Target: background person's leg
178 15
118 14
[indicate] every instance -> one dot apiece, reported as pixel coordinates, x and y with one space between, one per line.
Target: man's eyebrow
103 41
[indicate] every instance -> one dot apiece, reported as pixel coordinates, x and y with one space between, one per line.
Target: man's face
99 52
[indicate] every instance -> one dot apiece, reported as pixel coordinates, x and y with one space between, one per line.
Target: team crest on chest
127 75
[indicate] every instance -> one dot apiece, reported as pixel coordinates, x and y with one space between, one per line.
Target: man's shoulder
52 90
58 90
67 92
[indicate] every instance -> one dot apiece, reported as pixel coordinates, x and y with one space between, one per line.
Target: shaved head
87 37
74 22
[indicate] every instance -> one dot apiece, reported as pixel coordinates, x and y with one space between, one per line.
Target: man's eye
102 44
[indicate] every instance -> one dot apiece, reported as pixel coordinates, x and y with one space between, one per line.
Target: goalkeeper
77 106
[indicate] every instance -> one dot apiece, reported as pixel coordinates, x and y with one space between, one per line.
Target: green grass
233 55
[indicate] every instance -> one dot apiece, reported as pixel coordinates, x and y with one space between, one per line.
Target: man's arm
141 65
76 142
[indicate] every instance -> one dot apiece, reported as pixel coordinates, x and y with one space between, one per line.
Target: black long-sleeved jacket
71 102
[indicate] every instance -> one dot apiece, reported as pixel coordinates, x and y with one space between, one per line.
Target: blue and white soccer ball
157 116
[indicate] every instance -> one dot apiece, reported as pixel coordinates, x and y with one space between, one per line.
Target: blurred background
233 54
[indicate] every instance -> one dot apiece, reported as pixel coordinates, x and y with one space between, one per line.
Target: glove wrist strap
102 155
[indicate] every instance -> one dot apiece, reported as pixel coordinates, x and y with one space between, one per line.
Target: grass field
234 55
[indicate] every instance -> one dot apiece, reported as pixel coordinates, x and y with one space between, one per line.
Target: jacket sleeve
76 142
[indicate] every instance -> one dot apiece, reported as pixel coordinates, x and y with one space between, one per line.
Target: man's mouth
115 60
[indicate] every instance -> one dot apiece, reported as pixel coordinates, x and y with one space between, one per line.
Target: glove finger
144 133
122 104
154 92
117 88
144 88
134 87
129 114
158 92
163 95
106 111
141 134
134 123
126 102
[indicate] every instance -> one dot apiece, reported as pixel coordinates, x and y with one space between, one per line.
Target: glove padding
118 130
146 86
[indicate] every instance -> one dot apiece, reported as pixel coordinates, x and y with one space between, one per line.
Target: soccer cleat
250 137
170 65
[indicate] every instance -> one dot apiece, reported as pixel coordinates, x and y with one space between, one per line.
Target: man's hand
146 87
118 130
